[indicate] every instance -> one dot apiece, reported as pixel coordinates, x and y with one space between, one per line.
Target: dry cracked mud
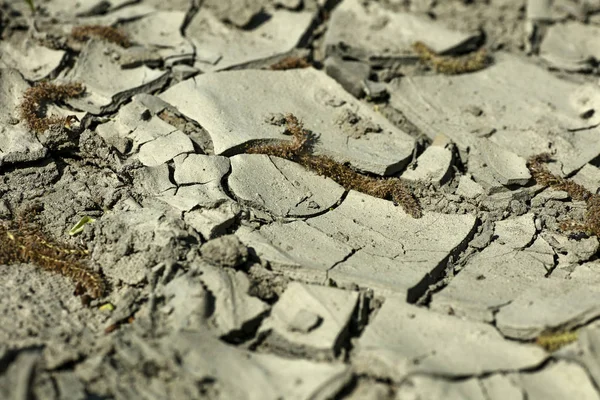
299 199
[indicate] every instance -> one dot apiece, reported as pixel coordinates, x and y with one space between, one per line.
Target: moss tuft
33 105
299 150
108 33
451 65
23 242
543 176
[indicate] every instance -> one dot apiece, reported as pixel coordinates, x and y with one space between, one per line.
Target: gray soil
234 275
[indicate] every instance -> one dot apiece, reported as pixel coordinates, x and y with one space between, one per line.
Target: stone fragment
199 168
432 165
119 16
586 102
588 177
68 9
107 84
502 386
165 148
212 222
587 273
135 241
549 305
368 141
425 387
289 4
516 233
36 322
173 5
17 143
125 302
405 340
370 390
349 74
19 372
187 303
573 251
530 108
182 72
484 237
58 354
559 380
296 249
491 280
541 199
34 61
136 56
323 332
242 374
586 350
161 32
468 188
483 175
539 10
225 251
153 103
234 310
153 180
389 250
393 251
220 46
237 12
369 32
571 46
69 386
499 273
375 90
186 198
507 167
136 123
283 187
304 321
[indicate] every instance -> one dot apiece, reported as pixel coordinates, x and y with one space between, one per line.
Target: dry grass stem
23 242
451 65
299 149
290 63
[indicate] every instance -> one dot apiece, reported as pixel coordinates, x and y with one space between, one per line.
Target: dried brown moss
23 242
33 105
543 176
289 150
291 62
552 341
451 65
108 33
299 150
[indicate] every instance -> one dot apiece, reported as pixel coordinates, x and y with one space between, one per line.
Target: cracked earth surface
229 274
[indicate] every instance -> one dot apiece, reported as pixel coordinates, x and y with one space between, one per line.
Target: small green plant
299 150
31 5
78 228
